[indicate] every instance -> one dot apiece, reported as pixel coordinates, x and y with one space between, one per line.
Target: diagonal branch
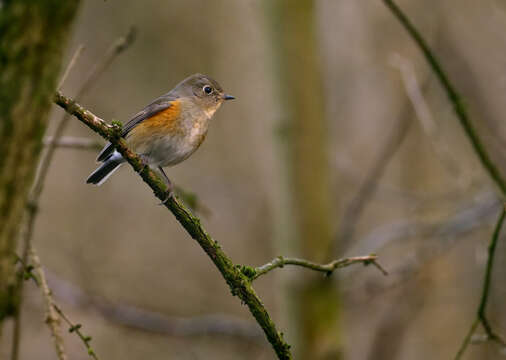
239 284
453 96
488 280
52 318
328 269
485 160
53 311
71 142
481 316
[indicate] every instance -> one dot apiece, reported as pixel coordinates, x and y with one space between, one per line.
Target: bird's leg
170 187
144 160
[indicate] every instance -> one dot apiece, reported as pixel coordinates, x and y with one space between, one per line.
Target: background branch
453 96
52 320
53 311
30 215
76 328
481 316
370 183
71 64
415 94
152 321
71 142
483 156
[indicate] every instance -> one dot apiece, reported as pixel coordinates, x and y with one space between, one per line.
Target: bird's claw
170 194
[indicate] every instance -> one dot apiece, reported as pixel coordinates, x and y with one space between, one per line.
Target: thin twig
33 200
120 45
239 284
328 269
76 328
453 96
423 113
138 318
117 48
52 319
481 317
488 280
53 311
369 184
72 142
29 221
71 64
467 339
480 150
433 240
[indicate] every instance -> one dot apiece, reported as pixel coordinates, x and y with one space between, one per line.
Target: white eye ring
207 89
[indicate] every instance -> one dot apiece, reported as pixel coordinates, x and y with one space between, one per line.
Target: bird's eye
207 89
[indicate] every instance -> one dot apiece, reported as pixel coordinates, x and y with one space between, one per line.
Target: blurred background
340 142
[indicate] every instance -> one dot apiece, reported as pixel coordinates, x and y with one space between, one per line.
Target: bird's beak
228 97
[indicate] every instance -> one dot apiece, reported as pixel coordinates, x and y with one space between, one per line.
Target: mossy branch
453 95
240 285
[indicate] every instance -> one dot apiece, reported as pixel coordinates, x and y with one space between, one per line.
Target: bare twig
52 319
488 280
76 328
480 150
53 311
371 182
151 321
239 284
481 316
28 223
71 64
117 48
32 204
369 185
328 269
71 142
467 339
423 113
453 96
433 239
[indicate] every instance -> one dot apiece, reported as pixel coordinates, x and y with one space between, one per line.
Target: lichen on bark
32 38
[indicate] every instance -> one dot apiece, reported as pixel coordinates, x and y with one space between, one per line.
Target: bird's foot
169 194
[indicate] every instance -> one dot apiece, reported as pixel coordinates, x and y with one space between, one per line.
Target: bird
168 130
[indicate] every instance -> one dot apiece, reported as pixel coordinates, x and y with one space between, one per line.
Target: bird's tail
102 173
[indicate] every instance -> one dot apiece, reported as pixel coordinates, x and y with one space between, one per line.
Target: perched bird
168 130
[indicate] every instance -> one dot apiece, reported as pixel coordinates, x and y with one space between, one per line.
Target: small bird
168 130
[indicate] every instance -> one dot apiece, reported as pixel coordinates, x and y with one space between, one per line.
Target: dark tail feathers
105 170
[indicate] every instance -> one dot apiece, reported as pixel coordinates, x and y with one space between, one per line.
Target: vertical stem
304 146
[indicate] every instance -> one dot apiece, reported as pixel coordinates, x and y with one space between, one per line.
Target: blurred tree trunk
313 300
32 39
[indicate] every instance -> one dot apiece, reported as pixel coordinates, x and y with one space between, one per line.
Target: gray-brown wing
162 103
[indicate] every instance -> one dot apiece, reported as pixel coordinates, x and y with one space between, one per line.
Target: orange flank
160 124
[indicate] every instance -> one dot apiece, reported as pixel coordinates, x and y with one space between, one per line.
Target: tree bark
32 40
313 301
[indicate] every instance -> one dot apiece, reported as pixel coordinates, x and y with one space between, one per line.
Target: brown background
116 243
